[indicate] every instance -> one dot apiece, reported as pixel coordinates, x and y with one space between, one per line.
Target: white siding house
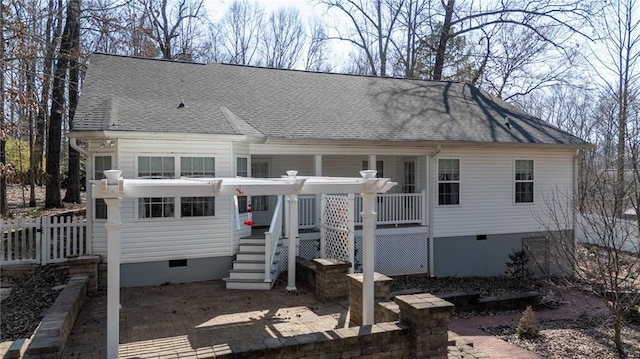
474 173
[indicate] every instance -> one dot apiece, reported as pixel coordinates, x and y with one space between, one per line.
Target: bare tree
240 26
172 27
373 26
3 125
53 199
283 39
617 54
317 56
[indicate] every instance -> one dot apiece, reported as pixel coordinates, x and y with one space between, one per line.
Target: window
242 170
260 169
448 182
379 167
409 177
524 181
156 167
100 164
156 207
197 206
197 167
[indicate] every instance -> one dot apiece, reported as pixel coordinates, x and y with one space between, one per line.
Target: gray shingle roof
132 94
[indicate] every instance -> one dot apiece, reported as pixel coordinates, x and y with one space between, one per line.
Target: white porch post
317 165
368 247
113 226
293 235
372 162
114 187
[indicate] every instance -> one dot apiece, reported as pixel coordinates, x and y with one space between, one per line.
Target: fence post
43 238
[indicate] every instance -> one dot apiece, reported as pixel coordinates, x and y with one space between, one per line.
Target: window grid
156 207
100 164
156 167
448 181
197 167
524 181
197 206
242 170
409 177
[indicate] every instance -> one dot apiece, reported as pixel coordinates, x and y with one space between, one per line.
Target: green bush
518 269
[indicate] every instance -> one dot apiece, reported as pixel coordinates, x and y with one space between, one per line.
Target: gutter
431 207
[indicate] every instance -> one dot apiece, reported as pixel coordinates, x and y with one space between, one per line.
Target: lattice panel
397 254
309 249
335 226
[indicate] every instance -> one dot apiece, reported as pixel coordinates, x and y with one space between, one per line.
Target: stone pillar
85 265
381 289
331 279
428 320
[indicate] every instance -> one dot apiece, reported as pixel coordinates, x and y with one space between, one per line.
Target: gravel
32 293
586 337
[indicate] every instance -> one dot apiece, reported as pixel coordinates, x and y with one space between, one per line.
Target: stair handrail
271 238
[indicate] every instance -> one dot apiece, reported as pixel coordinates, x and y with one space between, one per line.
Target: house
473 172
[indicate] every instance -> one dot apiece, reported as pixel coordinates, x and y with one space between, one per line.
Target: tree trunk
4 209
617 338
54 138
442 42
73 178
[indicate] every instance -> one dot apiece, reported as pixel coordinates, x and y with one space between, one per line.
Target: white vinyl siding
487 191
152 240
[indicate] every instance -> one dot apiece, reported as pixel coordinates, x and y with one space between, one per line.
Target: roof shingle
284 104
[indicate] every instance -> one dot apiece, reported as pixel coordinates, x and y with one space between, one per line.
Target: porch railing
271 239
392 208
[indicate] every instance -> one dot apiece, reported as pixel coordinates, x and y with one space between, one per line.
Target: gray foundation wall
155 273
467 256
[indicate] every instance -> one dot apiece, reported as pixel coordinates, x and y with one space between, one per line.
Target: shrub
518 269
528 325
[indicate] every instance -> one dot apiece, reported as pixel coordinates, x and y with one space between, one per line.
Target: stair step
257 274
252 247
247 284
251 241
250 256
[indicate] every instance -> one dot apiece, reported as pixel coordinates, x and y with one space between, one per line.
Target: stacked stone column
85 265
382 290
428 320
331 279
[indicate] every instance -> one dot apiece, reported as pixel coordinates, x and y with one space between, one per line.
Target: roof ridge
148 58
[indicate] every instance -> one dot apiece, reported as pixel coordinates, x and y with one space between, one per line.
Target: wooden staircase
248 267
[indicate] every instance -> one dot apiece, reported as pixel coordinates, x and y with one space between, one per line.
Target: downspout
431 207
73 142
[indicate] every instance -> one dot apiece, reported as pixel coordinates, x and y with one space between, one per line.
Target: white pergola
114 188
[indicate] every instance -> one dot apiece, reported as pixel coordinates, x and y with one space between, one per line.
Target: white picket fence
42 240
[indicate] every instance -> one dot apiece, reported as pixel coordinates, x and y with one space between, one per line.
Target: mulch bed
33 292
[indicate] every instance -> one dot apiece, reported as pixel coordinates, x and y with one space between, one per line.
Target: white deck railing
392 208
42 240
271 239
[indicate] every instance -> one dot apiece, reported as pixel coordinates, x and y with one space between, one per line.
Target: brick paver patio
199 319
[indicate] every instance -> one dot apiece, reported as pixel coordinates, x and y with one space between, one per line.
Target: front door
262 205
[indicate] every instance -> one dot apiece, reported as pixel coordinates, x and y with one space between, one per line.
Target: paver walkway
575 305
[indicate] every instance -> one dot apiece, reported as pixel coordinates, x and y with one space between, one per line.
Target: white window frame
458 181
179 212
94 177
248 174
176 203
516 181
